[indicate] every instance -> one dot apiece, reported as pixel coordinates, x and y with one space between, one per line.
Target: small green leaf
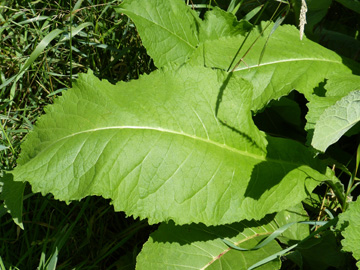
349 223
12 194
337 86
219 23
173 38
168 29
252 13
76 30
336 120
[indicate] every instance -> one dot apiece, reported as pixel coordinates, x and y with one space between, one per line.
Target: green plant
111 47
179 146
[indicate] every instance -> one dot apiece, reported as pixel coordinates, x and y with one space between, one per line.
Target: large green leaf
199 247
336 120
349 222
156 148
196 246
288 63
168 29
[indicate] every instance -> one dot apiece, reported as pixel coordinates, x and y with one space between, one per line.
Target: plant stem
339 194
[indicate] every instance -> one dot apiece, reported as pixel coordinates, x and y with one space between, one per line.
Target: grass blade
252 13
279 21
325 225
38 50
36 19
76 30
275 234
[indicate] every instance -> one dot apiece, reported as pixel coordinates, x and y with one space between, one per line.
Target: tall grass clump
44 45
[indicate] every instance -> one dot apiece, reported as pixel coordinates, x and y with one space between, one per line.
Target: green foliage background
65 40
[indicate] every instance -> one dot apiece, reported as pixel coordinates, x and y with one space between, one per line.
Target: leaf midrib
287 60
237 243
244 153
223 146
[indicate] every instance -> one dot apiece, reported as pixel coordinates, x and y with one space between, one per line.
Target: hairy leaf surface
336 87
336 120
167 146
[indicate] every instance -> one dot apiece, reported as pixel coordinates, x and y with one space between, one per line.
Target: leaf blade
157 141
12 193
336 120
167 28
199 247
286 65
349 222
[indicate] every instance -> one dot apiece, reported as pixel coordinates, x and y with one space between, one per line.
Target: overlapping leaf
287 64
168 29
171 31
297 231
156 148
337 86
200 247
218 23
336 120
350 222
180 144
12 195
